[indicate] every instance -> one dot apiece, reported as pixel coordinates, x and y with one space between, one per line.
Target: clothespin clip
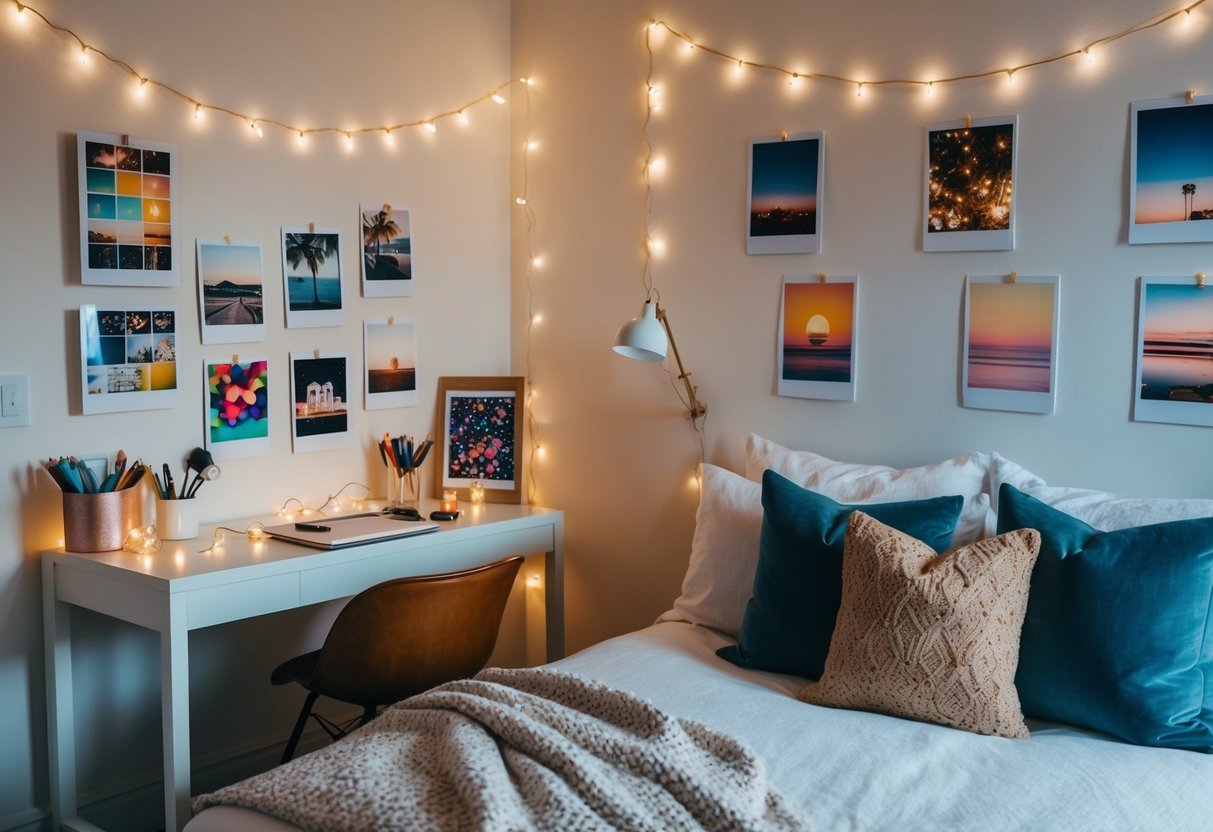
1191 96
227 238
311 228
391 320
126 137
316 353
821 277
1200 280
783 135
968 122
235 358
1012 277
387 209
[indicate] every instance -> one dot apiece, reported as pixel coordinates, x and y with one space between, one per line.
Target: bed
843 767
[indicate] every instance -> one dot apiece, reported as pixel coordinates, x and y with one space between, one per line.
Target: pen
170 490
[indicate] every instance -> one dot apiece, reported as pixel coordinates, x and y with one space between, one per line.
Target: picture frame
128 221
128 357
1174 376
1171 159
389 352
320 397
969 171
786 185
237 407
387 251
480 420
231 292
1010 343
311 277
818 337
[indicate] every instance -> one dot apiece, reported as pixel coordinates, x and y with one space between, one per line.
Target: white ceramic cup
176 519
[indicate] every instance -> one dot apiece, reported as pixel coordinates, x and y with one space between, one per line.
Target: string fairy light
656 246
255 532
533 263
301 134
304 510
794 77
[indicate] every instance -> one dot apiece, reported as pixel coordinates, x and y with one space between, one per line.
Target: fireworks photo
969 189
238 414
482 433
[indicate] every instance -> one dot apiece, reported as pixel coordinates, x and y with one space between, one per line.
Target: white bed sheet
860 771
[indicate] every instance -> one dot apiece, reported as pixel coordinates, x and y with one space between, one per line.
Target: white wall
312 62
619 449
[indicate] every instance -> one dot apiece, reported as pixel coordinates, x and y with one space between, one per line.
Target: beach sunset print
1174 164
817 331
1177 343
1010 337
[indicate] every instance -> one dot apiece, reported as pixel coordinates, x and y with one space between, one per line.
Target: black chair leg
300 723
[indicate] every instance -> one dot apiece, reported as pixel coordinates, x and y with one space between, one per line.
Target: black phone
402 513
444 515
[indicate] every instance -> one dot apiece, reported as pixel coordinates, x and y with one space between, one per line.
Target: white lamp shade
644 337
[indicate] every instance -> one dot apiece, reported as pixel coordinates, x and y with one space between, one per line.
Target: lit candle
476 493
449 502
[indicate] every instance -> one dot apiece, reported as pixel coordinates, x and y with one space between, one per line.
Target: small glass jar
476 493
404 489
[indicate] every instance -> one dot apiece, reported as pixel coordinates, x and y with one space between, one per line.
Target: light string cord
305 510
255 531
1009 71
256 122
698 424
529 213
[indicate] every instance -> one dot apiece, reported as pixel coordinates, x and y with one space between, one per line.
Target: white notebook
336 532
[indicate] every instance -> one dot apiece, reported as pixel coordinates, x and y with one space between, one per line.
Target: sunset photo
1010 343
390 357
1172 172
816 348
230 285
1174 352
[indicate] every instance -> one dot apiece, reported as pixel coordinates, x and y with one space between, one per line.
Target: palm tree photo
1189 192
312 249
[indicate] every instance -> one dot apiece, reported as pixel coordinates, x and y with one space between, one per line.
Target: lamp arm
696 407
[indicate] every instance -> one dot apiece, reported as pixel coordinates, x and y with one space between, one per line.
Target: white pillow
1099 509
849 482
724 553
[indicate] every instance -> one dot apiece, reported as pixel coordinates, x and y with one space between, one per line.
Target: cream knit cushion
926 636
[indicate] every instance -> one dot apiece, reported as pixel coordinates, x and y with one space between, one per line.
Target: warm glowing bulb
930 88
83 55
740 68
1187 17
1090 56
388 138
657 245
794 80
1010 76
301 140
252 125
520 200
463 117
532 145
859 90
690 46
537 319
349 142
537 261
498 98
197 112
141 90
540 451
530 82
431 127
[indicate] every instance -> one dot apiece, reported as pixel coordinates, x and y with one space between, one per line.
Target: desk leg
60 707
175 715
553 569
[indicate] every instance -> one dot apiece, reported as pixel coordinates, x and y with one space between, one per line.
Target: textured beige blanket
517 750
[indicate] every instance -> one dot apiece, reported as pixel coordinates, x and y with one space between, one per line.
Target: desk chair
400 638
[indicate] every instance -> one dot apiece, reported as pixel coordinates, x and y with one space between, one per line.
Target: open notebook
336 532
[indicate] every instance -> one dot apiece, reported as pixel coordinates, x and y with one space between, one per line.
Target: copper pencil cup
99 522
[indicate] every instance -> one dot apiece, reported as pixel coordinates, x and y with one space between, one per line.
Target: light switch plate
14 401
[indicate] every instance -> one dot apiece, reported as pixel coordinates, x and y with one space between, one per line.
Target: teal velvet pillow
798 583
1119 631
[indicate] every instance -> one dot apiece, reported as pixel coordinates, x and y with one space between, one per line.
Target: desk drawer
244 599
341 580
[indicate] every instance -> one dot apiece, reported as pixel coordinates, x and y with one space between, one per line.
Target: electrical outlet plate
14 401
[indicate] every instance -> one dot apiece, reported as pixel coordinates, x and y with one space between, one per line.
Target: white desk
178 590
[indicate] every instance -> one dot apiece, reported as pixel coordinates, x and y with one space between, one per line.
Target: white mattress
861 771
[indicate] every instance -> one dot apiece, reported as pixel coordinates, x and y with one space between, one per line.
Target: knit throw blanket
520 750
